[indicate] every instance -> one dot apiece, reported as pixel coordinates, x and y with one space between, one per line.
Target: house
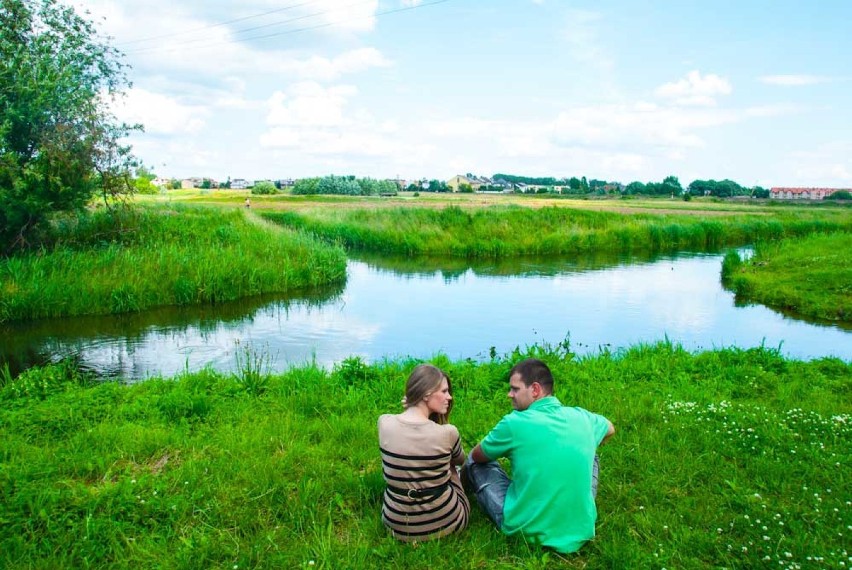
475 182
239 184
189 183
802 193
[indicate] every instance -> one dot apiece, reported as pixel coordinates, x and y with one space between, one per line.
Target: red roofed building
802 193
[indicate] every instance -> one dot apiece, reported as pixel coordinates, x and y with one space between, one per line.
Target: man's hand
609 433
478 455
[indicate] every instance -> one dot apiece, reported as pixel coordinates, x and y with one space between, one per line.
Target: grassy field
500 231
723 459
161 255
659 205
810 276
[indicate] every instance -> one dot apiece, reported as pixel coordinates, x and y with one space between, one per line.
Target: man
551 498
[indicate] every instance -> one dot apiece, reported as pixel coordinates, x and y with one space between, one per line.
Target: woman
420 451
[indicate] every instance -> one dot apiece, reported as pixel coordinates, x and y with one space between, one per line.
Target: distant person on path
550 499
248 202
420 451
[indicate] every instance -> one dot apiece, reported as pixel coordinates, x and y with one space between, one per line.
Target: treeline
670 186
345 185
572 185
725 189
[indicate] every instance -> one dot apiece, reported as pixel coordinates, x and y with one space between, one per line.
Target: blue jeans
489 482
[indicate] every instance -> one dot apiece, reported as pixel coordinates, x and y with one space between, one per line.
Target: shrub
264 187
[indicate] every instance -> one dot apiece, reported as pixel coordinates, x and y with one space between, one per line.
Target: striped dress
416 461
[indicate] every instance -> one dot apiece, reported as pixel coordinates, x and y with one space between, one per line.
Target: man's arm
478 455
610 431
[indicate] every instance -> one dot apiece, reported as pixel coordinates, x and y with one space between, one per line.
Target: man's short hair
534 370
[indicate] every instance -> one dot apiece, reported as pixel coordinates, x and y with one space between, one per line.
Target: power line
236 32
173 47
219 24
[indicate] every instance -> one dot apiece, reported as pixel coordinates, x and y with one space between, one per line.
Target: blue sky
754 91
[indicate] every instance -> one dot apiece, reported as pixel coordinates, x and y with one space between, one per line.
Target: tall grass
154 256
810 276
515 230
730 458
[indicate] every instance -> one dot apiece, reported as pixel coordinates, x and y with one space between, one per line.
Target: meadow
501 231
195 247
144 257
729 458
810 276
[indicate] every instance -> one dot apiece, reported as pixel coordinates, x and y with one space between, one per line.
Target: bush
841 195
264 187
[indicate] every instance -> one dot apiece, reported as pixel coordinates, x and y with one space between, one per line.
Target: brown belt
419 493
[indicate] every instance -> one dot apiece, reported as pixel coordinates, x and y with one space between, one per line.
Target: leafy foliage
344 185
264 187
59 142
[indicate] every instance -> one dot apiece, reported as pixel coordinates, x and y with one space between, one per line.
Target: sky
757 91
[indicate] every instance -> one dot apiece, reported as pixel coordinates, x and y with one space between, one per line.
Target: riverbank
810 276
501 231
727 458
161 255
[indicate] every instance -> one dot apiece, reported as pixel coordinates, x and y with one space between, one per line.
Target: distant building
475 182
802 193
189 183
239 184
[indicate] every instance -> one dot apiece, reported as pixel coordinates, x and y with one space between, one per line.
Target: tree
635 187
264 187
142 181
59 142
760 192
672 185
437 186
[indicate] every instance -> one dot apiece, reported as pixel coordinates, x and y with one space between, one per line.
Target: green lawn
810 276
723 459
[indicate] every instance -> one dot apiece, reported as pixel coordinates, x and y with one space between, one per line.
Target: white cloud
695 89
316 120
344 14
163 36
583 38
309 104
829 163
353 61
160 114
794 80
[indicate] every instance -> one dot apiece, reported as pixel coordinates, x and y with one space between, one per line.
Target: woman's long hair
423 381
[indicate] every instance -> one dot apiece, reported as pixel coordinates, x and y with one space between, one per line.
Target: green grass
513 230
729 458
811 276
161 255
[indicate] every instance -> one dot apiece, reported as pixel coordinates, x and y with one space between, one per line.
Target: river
420 307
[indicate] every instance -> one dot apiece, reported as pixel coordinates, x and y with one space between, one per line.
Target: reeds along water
809 275
509 231
154 256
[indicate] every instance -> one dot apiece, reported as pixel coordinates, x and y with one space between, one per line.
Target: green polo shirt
552 449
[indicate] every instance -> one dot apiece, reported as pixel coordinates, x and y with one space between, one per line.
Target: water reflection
393 307
136 345
453 269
